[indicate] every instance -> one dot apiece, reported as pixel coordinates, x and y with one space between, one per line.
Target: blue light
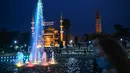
89 42
15 42
38 28
21 46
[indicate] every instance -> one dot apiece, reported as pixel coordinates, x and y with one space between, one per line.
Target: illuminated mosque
51 35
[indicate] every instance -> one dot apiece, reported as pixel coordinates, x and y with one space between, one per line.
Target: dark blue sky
17 14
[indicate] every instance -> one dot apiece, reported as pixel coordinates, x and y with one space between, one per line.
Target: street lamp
71 41
15 42
121 39
25 45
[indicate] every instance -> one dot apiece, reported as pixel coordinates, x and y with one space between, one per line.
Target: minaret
98 23
61 28
32 26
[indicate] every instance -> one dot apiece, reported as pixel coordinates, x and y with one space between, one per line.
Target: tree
3 39
66 24
61 44
121 31
118 27
76 40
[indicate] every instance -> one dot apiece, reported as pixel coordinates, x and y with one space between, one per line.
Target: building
52 36
98 23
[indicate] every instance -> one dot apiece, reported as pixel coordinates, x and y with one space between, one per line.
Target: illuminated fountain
26 61
35 56
52 59
44 59
19 59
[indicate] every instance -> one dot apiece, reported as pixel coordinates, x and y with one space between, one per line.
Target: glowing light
35 63
44 59
26 62
25 45
16 47
21 46
89 42
36 38
30 64
71 41
52 62
19 59
45 64
15 42
39 46
19 64
52 59
121 39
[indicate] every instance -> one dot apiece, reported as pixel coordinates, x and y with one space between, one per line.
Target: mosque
51 35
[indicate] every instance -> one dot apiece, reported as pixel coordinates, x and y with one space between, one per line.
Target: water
37 40
19 57
44 59
65 65
52 61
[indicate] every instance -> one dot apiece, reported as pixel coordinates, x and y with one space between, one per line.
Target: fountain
37 39
26 61
52 59
35 56
19 59
44 59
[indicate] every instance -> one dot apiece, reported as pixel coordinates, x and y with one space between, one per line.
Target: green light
129 57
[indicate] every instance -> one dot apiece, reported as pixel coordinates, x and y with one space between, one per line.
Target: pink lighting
30 64
45 64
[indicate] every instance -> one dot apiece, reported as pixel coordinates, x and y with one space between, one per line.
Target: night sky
17 14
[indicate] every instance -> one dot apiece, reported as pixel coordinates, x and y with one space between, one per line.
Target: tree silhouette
118 27
121 31
4 39
66 24
76 40
61 45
